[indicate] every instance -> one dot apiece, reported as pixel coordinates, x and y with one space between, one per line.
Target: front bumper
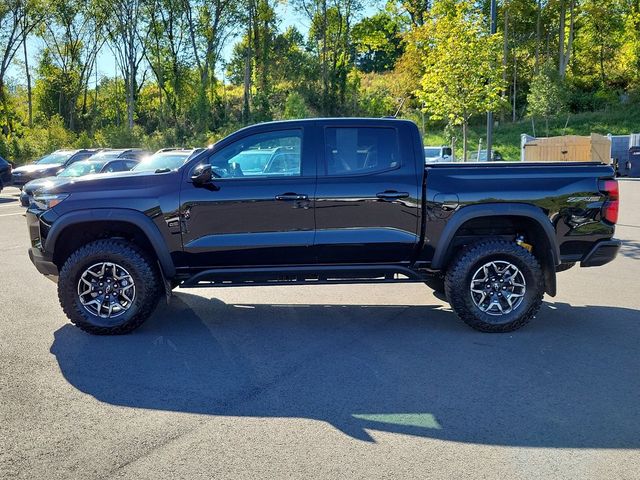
41 259
43 263
602 253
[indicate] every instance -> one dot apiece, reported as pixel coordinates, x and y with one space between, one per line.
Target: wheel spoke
100 291
502 282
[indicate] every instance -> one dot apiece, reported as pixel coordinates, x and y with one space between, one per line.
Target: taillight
612 203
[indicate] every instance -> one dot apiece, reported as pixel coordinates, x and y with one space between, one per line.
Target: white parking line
12 204
11 214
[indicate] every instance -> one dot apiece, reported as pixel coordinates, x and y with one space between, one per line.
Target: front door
259 210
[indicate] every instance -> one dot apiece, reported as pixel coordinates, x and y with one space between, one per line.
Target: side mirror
202 175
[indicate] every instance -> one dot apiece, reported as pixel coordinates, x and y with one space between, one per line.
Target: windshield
55 158
81 168
162 161
431 152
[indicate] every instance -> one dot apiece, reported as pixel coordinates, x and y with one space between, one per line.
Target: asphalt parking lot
351 381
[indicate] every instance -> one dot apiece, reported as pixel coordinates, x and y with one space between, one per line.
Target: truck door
367 196
259 210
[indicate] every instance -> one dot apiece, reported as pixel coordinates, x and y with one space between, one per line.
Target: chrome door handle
392 195
292 196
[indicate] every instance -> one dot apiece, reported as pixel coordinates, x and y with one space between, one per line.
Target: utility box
568 148
621 146
633 163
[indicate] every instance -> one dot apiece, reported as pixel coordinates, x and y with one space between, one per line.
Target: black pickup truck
317 202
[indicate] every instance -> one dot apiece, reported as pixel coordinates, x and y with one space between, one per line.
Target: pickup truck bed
324 201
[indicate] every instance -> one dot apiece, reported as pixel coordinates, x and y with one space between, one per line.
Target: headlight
45 201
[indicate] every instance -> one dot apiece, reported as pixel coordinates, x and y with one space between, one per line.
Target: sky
106 61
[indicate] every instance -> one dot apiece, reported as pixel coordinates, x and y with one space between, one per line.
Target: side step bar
309 275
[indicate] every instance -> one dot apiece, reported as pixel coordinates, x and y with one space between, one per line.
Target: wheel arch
528 217
76 228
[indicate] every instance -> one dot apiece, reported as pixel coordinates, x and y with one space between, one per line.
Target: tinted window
81 156
360 150
78 169
446 151
431 152
117 166
262 154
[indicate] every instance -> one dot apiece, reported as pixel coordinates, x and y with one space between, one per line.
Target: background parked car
5 173
114 153
49 165
78 169
166 159
438 154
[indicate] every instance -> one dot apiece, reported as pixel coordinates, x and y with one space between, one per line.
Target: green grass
619 121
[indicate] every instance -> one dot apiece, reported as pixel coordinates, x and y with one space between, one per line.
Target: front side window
260 155
80 169
360 150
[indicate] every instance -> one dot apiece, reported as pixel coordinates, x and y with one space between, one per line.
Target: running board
309 275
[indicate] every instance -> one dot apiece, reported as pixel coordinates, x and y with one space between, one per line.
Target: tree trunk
538 36
246 107
513 94
28 75
561 33
564 53
505 55
464 141
546 124
131 93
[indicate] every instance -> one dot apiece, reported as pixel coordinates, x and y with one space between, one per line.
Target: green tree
547 95
463 74
378 42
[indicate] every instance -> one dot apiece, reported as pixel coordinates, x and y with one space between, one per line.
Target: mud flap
167 285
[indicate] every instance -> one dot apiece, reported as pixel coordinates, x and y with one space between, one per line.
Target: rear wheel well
508 227
75 236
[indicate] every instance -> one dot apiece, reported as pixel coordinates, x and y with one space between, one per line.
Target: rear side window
117 166
360 150
80 156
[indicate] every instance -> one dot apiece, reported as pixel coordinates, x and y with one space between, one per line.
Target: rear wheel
495 286
109 287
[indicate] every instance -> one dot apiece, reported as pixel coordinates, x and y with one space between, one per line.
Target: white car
438 154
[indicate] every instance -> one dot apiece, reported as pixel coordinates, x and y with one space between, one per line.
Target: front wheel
495 286
109 287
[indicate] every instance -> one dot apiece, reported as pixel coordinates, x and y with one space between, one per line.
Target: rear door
367 194
259 211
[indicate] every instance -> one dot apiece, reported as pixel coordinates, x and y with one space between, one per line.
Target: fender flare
443 248
134 217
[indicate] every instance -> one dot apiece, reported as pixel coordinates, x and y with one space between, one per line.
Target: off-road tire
461 271
147 278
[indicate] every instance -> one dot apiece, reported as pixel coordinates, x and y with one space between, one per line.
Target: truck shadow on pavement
569 380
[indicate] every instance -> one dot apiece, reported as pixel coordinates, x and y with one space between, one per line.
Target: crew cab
347 201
